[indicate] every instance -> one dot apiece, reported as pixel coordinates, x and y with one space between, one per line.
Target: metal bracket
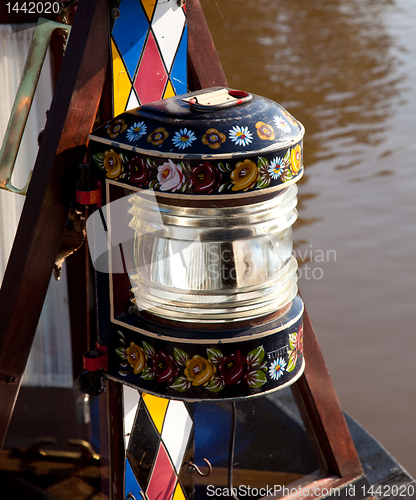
23 101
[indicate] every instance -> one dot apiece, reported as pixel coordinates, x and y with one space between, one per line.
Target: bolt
115 13
11 380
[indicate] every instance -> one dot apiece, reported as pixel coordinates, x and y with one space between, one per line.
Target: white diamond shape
131 398
133 102
168 22
176 430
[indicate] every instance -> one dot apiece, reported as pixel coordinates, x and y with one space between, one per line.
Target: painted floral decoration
276 167
117 127
136 131
170 176
198 370
264 179
182 372
281 124
244 176
222 370
139 171
290 117
205 178
213 138
158 136
296 159
240 135
296 348
183 138
200 177
231 368
281 167
112 164
277 368
286 174
164 367
136 358
265 131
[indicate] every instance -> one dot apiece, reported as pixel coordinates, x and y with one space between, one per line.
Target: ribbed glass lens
214 264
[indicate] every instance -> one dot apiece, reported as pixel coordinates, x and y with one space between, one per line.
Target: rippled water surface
347 70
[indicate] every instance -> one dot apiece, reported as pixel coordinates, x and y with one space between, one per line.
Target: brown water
347 70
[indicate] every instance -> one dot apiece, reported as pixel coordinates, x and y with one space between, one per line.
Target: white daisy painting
276 167
240 135
277 368
136 131
282 124
184 138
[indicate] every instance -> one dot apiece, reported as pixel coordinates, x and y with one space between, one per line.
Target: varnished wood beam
204 66
318 401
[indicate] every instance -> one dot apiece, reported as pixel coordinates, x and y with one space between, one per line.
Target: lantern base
194 366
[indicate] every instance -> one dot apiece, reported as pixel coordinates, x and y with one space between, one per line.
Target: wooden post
204 66
315 392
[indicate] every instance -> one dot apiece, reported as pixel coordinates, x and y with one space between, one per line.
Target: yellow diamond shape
157 409
178 495
149 7
169 91
121 82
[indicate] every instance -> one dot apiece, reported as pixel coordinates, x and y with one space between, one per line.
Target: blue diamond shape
178 73
129 33
132 486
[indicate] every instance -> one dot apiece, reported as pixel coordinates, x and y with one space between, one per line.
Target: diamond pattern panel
167 24
149 47
161 441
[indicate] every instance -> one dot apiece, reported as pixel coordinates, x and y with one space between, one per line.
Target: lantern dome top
216 122
219 142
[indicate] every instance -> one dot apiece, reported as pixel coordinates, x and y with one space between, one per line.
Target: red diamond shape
163 478
151 76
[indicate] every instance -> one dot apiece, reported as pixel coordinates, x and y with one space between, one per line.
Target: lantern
200 200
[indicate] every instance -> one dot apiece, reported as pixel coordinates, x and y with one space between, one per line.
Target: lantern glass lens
213 264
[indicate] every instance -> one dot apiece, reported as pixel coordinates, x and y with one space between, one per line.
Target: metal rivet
11 380
115 13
